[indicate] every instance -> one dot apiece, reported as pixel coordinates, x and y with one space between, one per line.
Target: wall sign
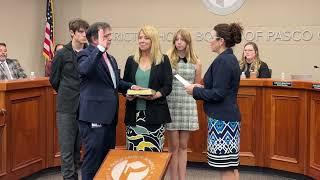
223 7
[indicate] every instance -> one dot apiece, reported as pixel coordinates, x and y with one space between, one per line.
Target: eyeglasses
215 37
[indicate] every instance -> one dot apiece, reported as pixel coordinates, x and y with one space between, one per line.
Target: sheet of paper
181 79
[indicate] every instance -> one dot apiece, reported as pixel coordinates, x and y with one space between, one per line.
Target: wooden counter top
6 85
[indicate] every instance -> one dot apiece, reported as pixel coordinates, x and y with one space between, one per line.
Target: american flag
48 33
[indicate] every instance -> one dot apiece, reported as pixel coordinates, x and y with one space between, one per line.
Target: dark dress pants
96 142
69 142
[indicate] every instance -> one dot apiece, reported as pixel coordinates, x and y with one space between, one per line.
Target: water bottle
253 74
32 75
243 75
283 76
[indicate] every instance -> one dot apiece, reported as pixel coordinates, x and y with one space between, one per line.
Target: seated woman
251 62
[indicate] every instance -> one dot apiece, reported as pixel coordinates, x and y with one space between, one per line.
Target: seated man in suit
9 68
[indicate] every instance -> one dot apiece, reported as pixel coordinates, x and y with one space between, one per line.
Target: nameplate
282 83
316 86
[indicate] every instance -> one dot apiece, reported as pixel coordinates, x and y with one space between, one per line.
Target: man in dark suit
9 68
66 81
100 83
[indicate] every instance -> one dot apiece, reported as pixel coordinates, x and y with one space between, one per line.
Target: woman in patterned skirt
146 115
183 108
221 84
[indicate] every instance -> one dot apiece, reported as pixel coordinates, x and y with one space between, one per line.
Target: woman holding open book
183 108
146 114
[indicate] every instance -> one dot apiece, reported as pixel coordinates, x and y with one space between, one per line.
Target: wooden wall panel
251 119
121 128
56 150
26 134
53 152
286 129
3 145
314 129
3 137
197 146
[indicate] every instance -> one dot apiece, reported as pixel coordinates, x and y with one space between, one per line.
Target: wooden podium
133 165
26 127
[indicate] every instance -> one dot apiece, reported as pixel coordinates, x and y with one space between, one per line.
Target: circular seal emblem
131 168
223 7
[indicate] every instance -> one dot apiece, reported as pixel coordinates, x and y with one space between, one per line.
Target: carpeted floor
197 172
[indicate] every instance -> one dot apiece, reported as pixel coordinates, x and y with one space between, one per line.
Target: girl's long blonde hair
255 65
155 51
190 54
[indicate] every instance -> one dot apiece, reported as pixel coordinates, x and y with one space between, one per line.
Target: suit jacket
15 69
221 84
98 97
157 111
65 79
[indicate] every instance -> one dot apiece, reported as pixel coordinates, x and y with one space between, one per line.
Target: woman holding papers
183 108
146 115
221 84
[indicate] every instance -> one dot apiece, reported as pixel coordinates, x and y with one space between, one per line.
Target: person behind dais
250 62
9 68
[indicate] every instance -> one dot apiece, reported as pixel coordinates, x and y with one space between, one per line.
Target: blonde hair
255 65
173 52
155 51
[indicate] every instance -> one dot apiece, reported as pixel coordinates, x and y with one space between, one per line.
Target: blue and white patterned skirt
223 143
